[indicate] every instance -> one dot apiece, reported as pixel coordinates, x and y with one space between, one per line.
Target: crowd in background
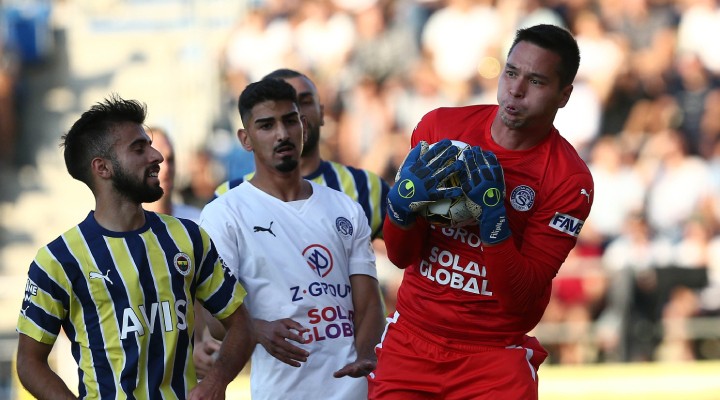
644 114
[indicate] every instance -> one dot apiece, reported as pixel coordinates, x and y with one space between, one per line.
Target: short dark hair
559 41
284 73
89 137
264 90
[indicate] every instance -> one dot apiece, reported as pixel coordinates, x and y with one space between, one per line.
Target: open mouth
153 172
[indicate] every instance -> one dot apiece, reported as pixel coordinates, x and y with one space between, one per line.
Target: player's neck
120 215
162 206
517 139
289 186
310 163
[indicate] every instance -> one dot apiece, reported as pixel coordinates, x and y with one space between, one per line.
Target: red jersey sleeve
525 265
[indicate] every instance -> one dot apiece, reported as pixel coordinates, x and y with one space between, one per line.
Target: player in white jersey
303 253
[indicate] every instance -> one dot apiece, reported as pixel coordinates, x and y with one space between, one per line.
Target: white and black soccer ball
451 212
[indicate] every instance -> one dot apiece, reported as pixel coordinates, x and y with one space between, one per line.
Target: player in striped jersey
122 283
363 186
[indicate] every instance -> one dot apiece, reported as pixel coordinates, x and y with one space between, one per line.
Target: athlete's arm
235 351
206 346
523 273
35 372
369 325
404 243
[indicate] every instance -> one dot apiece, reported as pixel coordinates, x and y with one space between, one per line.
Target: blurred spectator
673 171
364 126
9 70
323 37
205 176
456 37
700 21
577 296
678 289
602 54
162 143
579 120
710 125
691 89
627 325
384 48
619 190
256 32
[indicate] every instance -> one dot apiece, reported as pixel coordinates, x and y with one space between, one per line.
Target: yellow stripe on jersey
77 245
376 202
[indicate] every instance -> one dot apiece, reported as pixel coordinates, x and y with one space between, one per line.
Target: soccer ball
451 212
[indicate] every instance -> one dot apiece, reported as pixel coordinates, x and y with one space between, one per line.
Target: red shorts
414 364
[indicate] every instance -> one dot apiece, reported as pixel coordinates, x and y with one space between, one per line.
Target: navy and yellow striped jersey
125 301
362 186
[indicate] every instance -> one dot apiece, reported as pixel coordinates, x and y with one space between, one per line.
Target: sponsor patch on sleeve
567 224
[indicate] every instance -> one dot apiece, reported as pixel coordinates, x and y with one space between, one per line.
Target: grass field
691 381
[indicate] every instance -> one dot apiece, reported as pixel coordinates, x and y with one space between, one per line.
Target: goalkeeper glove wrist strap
399 215
494 226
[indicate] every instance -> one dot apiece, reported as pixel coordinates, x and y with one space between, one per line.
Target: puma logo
97 275
23 311
586 194
268 229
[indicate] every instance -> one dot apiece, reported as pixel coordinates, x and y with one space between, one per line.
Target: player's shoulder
329 194
452 122
226 187
354 170
568 161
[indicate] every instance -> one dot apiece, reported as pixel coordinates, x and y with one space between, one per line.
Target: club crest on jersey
522 198
567 224
182 263
319 259
344 227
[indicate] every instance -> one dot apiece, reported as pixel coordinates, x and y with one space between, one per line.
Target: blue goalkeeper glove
483 183
420 180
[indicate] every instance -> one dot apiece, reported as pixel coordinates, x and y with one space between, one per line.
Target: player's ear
565 95
102 167
244 138
305 127
322 114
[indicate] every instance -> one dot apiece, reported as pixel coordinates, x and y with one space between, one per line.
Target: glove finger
494 166
450 193
440 153
410 159
444 171
473 158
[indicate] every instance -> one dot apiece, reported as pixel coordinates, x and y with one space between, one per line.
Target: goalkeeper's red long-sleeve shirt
455 287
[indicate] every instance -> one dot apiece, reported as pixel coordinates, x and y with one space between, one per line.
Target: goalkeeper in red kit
470 295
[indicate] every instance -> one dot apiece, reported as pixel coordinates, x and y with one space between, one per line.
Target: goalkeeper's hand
483 183
419 180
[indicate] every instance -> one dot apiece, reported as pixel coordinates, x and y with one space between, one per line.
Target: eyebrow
268 119
532 74
140 141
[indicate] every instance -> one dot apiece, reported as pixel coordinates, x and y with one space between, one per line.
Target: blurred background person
166 205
